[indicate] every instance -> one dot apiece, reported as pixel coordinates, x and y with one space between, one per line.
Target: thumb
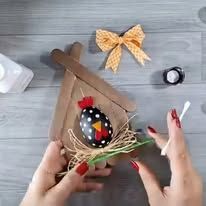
149 180
71 180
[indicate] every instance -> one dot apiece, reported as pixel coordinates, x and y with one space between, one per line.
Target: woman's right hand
185 187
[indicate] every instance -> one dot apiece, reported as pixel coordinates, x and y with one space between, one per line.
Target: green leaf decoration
128 149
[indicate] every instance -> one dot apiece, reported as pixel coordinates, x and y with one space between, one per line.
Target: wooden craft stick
93 80
75 51
64 96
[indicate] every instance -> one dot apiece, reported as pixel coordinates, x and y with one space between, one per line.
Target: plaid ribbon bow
132 39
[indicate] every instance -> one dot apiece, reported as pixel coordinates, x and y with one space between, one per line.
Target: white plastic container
14 78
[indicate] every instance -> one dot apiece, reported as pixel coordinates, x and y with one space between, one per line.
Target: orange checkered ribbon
132 39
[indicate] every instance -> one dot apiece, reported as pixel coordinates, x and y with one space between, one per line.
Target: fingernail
178 123
82 168
59 143
98 187
176 118
62 152
151 129
174 114
134 165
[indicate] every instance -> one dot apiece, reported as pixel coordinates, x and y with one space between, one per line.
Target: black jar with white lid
174 76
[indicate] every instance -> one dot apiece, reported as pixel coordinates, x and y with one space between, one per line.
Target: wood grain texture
64 97
11 198
74 17
92 80
24 155
29 113
30 30
165 49
23 116
204 55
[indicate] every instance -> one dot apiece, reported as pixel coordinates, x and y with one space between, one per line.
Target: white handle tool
186 107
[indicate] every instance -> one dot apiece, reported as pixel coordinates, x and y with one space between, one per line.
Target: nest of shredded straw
124 141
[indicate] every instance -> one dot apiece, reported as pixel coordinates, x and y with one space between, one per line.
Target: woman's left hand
44 190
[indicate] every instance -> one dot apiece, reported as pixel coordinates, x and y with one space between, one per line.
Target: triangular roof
92 79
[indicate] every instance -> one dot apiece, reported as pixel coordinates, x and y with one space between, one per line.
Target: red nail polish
178 123
174 114
134 165
151 129
82 168
176 118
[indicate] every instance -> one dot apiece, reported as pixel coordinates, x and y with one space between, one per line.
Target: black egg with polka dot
96 127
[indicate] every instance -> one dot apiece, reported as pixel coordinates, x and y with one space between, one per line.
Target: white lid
2 72
172 76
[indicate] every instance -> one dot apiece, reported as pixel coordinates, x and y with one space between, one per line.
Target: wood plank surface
175 36
22 116
22 158
28 114
204 56
165 49
74 17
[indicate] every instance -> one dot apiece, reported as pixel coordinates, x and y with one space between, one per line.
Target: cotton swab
186 107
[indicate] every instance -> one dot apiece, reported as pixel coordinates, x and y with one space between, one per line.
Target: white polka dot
90 111
90 130
82 129
110 125
85 124
80 124
107 142
84 136
103 141
110 131
89 137
84 110
93 144
106 124
82 116
106 117
100 145
89 119
97 115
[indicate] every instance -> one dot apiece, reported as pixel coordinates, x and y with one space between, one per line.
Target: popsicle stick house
79 81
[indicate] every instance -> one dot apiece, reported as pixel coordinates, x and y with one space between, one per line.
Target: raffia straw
123 138
80 151
81 90
126 123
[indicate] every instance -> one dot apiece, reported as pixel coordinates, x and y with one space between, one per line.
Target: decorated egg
95 125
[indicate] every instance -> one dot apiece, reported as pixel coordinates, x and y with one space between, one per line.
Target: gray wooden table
175 36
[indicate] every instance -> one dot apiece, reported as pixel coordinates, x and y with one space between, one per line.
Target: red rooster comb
86 102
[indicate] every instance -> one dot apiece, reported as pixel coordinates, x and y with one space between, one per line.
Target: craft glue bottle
14 78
